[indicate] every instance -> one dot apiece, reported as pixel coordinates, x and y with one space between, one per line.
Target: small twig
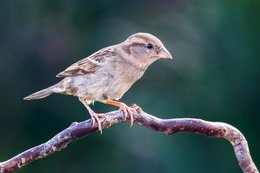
167 126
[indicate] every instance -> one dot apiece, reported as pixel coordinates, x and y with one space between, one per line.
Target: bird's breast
109 82
118 80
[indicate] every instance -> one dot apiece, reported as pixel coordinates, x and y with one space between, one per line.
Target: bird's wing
89 64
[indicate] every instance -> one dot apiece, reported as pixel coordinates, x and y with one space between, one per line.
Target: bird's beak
164 53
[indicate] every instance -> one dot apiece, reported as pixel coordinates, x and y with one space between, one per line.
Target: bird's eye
149 46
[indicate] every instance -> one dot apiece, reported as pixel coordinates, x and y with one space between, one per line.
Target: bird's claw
96 119
128 111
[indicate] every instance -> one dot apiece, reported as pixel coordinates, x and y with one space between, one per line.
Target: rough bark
167 126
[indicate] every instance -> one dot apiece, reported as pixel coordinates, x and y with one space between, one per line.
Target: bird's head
144 48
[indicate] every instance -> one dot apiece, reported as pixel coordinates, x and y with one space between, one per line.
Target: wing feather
89 64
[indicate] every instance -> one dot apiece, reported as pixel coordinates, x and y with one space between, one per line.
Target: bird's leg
94 115
124 108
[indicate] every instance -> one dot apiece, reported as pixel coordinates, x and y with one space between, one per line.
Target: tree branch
167 126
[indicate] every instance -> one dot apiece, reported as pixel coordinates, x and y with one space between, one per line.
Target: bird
107 74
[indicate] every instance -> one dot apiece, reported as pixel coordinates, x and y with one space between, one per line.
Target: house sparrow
108 73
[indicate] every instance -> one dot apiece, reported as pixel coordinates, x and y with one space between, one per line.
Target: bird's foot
128 111
94 116
96 120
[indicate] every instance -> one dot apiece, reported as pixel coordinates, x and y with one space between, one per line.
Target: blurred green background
214 76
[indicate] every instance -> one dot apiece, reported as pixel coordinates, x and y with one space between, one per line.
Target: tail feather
40 94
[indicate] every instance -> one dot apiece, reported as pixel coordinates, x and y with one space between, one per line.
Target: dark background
214 76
